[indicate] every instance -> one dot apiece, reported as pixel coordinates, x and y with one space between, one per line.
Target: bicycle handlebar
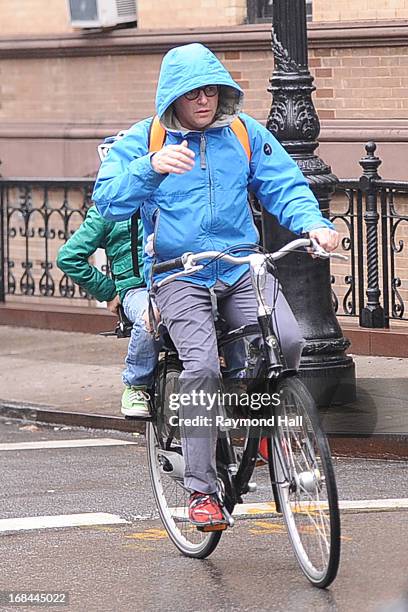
189 261
166 266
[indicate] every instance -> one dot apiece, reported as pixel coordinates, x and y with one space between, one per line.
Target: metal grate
126 7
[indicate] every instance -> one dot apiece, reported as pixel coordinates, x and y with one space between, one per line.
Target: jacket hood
190 66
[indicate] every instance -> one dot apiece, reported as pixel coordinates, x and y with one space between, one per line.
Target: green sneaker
135 402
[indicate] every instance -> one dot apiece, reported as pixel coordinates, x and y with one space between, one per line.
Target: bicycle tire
302 474
170 495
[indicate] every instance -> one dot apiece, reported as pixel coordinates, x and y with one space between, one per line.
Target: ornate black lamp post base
327 370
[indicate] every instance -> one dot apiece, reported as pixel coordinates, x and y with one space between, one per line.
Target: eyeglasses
209 91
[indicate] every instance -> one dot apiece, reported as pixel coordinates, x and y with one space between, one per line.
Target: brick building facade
36 17
63 90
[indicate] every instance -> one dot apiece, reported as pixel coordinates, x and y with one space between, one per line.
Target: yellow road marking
150 534
265 527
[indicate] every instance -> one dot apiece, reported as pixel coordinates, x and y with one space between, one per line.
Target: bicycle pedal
216 527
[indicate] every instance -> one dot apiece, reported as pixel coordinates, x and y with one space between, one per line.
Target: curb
41 413
369 446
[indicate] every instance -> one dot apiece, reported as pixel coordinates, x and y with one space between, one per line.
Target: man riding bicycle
192 196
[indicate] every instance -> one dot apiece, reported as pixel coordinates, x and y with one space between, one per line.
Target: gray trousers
187 313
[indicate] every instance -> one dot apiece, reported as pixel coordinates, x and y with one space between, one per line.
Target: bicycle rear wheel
166 467
301 469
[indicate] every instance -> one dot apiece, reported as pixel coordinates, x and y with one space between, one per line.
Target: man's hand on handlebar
327 238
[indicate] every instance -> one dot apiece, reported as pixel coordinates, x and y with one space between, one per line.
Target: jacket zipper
205 166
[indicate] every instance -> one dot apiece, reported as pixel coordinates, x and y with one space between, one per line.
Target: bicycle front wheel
302 474
166 468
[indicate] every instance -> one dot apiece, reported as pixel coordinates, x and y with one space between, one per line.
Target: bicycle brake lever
193 269
318 251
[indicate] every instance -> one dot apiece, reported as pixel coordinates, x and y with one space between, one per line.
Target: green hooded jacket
115 238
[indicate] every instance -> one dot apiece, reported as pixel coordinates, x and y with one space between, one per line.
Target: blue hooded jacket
206 208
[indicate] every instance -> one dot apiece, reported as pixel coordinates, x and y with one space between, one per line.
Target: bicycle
300 466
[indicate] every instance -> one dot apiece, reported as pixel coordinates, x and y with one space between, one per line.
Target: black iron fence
372 216
38 216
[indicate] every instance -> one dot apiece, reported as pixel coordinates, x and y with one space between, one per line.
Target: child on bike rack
126 289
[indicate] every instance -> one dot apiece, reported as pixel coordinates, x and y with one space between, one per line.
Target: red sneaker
205 512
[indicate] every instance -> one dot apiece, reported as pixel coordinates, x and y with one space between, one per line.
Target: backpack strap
240 130
157 135
134 241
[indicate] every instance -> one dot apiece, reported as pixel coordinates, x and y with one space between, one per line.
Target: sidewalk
79 373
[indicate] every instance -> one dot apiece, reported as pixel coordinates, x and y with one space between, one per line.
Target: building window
260 11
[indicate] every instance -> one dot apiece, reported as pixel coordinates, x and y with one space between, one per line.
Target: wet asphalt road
135 567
